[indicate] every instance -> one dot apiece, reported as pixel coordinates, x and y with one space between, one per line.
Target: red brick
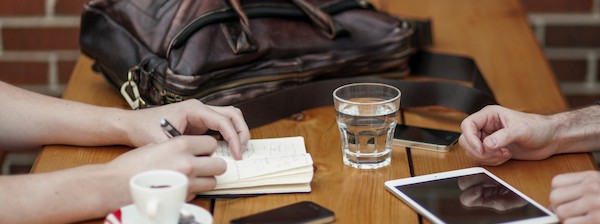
65 68
22 7
19 73
40 38
569 70
69 7
557 6
573 36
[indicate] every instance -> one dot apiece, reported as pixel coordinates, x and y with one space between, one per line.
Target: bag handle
318 17
323 21
245 42
240 34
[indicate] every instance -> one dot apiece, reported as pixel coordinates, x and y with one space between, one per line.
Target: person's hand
189 155
481 191
496 134
575 197
190 117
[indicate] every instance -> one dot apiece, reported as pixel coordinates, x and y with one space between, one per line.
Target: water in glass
367 132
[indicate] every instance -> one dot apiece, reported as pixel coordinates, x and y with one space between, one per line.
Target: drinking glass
367 114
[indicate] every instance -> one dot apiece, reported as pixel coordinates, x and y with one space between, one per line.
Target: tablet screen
473 198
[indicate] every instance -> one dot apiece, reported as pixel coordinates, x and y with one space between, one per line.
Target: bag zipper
170 97
229 15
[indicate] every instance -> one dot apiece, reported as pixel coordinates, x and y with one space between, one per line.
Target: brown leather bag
226 51
251 53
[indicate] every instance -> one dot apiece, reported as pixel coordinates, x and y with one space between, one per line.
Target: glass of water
367 114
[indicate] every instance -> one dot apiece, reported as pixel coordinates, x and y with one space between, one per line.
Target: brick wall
569 33
39 43
38 49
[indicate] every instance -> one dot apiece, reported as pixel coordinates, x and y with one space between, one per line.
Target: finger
190 196
218 122
208 166
201 184
469 149
199 145
568 179
585 191
562 195
506 153
237 117
502 154
471 143
579 220
485 159
479 125
489 158
575 208
499 139
471 136
590 217
476 122
474 149
493 161
198 162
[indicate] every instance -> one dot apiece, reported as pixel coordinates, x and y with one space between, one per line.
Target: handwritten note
274 165
260 148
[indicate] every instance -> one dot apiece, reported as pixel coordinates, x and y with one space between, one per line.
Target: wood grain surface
495 33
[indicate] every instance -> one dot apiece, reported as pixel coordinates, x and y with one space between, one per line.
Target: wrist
120 126
83 192
112 187
577 130
562 133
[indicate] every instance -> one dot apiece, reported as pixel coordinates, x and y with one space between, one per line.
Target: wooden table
494 32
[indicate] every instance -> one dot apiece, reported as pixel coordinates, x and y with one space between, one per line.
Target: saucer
129 215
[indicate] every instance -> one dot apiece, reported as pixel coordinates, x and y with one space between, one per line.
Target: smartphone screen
301 212
424 138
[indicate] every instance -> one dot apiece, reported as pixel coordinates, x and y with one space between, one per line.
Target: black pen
169 129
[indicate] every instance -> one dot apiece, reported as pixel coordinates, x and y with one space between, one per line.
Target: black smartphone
424 138
301 212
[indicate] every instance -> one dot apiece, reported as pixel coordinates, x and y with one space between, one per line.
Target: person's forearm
578 130
62 197
31 120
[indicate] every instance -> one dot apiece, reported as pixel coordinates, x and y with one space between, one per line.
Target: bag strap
415 93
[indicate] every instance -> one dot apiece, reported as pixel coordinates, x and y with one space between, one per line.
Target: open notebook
274 165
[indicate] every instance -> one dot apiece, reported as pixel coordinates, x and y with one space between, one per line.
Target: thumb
499 139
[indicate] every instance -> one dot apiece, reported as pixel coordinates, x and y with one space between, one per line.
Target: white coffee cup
159 195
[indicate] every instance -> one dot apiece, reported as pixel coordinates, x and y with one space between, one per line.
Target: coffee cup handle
152 208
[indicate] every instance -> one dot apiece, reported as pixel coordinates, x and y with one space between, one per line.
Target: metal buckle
135 101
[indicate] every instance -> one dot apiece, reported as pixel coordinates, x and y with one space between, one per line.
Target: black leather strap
415 93
447 66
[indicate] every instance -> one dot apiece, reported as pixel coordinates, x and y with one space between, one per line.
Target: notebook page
243 169
260 148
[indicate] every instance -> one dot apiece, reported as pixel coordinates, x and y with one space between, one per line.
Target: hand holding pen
169 129
227 123
172 131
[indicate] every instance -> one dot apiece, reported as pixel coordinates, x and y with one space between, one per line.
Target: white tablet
472 195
